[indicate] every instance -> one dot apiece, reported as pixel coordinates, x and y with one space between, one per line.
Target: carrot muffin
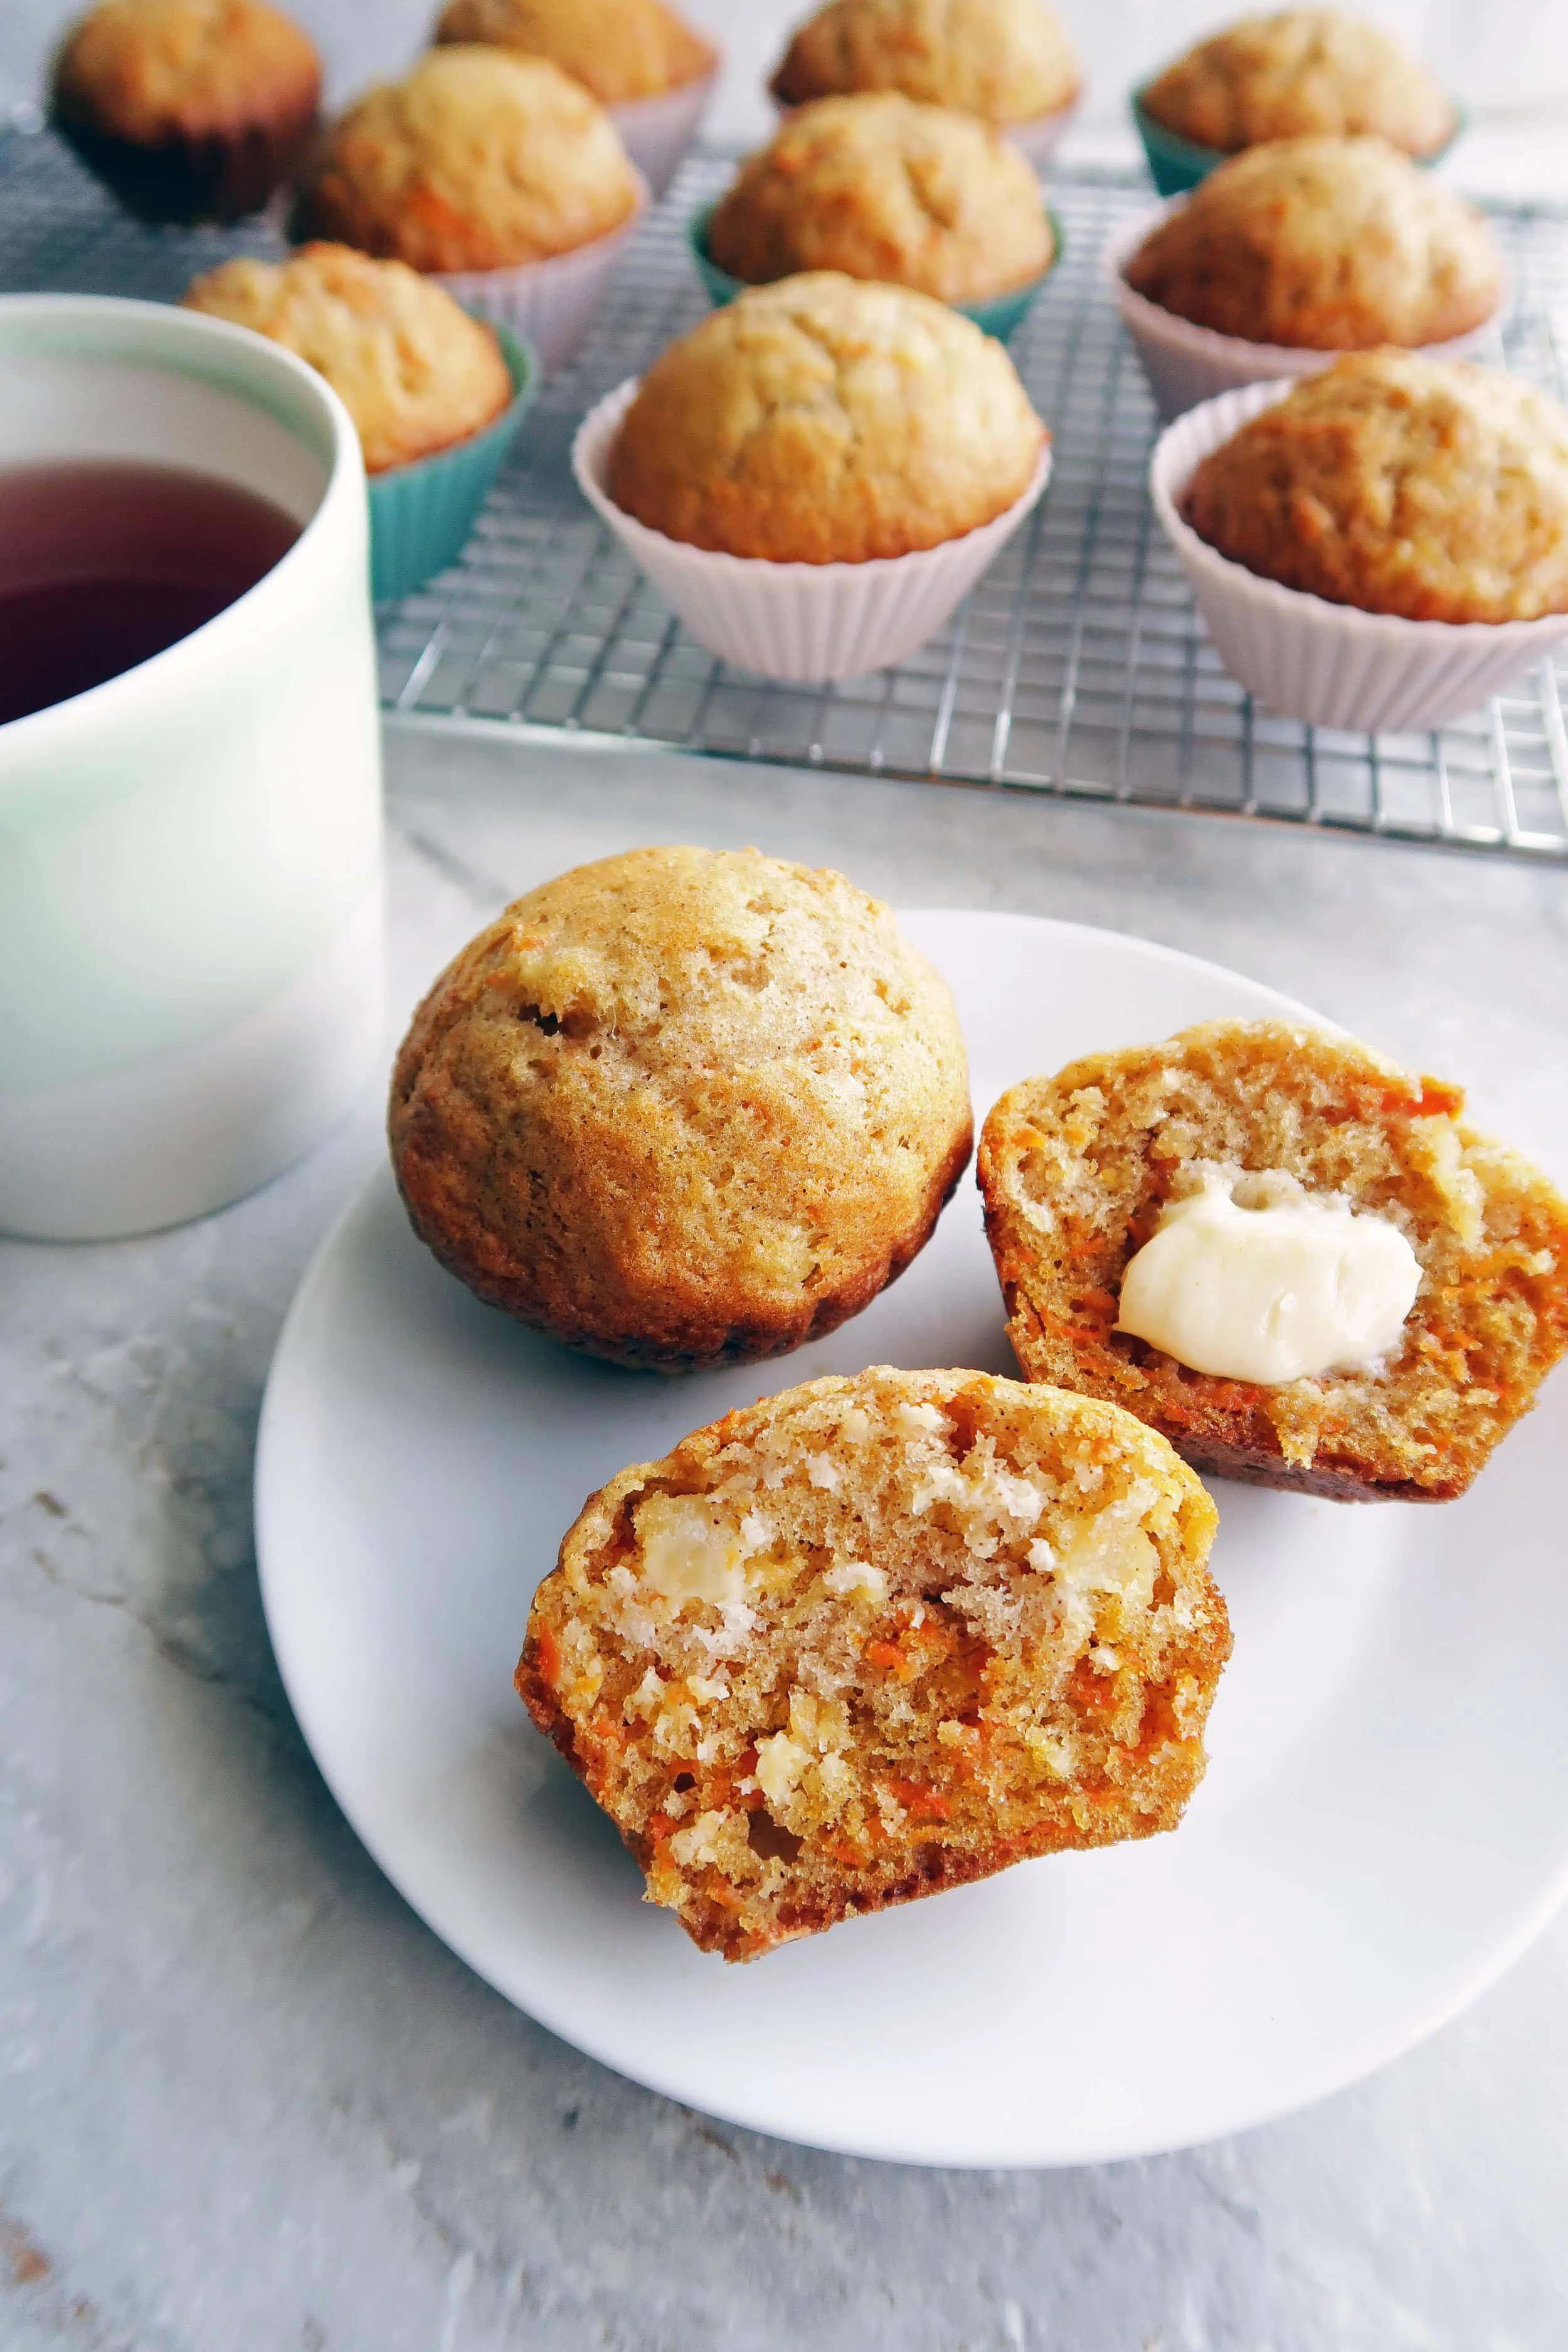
1307 71
823 420
1325 244
413 370
681 1105
477 159
1427 487
1289 1254
188 110
1005 60
879 1636
622 50
881 187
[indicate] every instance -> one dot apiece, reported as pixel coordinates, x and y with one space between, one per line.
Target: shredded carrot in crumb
1087 1688
921 1803
720 1891
891 1659
547 1650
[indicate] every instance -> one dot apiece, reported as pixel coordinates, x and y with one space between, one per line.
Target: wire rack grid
1077 667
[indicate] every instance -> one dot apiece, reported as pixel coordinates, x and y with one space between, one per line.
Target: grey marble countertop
249 2103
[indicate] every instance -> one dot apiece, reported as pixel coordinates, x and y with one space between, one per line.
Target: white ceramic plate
1384 1823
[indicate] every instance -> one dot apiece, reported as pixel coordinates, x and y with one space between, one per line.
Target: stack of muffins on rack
1385 545
817 476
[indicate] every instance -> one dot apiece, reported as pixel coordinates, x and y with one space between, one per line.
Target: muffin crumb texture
881 187
1424 488
1291 76
1075 1172
1323 244
1005 60
682 1106
622 50
824 420
413 370
189 109
478 159
876 1637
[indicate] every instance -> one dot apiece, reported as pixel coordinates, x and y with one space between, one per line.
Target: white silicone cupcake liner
795 621
1039 136
1185 363
1330 665
549 304
656 131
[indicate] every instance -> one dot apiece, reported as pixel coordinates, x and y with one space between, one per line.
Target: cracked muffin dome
1005 60
1425 487
414 372
1325 244
876 1637
1291 76
1076 1171
622 50
824 420
881 187
477 159
682 1106
189 109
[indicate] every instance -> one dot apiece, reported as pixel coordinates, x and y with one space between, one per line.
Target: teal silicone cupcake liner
1001 316
1179 164
421 515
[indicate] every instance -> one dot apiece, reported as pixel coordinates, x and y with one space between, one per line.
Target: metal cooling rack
1077 667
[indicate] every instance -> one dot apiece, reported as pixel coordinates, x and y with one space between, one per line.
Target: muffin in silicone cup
1303 73
652 71
436 396
1333 663
1008 61
1295 251
187 110
808 513
883 187
495 174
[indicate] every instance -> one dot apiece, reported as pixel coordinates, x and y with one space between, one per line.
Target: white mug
191 959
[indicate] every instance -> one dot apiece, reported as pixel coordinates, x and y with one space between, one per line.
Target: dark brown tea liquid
104 563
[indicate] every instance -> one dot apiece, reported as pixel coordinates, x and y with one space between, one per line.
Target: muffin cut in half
1077 1172
683 1105
874 1637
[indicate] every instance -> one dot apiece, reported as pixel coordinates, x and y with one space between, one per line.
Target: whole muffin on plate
880 186
824 420
1329 244
477 159
1425 487
1005 60
1305 72
1359 1294
682 1106
622 50
188 110
414 372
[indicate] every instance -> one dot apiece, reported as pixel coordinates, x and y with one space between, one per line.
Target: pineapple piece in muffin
874 1637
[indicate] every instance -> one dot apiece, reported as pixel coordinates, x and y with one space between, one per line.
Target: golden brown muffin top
413 370
1288 77
880 186
1326 244
154 70
477 159
619 49
682 1102
1006 60
823 420
1427 487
